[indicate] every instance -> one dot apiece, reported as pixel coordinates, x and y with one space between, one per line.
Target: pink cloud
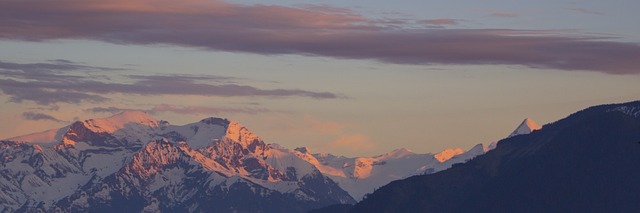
505 14
319 30
446 21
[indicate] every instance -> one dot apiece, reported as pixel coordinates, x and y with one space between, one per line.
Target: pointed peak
478 149
531 123
120 120
527 126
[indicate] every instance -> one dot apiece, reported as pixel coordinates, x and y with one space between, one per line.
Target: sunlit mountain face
133 162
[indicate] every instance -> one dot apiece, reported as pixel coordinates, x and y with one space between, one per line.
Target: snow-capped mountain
527 126
133 162
362 175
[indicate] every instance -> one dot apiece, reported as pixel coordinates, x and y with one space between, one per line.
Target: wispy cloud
586 11
186 110
57 65
50 83
36 116
444 21
505 14
321 31
203 110
109 110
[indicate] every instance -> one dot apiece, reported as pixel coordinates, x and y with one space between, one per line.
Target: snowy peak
396 153
121 120
124 120
448 154
126 128
527 126
240 134
46 137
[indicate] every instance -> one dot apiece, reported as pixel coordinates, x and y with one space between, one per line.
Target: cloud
184 78
50 83
504 14
317 31
109 110
19 92
58 65
35 116
187 110
353 142
205 110
446 21
585 11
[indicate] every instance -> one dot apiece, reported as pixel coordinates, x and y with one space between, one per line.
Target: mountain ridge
128 152
585 162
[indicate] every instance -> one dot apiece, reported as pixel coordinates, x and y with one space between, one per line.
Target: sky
354 78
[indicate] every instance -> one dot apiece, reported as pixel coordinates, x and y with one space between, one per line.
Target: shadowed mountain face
587 162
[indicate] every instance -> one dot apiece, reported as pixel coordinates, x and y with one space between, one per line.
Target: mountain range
132 162
586 162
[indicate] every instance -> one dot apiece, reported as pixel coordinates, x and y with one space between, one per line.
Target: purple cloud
36 116
189 110
34 82
205 110
108 110
444 21
585 11
55 66
321 31
19 92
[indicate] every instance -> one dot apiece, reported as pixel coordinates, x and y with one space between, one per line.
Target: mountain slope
133 162
587 162
363 175
527 126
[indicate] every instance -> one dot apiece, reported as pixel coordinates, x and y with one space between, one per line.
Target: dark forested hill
587 162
